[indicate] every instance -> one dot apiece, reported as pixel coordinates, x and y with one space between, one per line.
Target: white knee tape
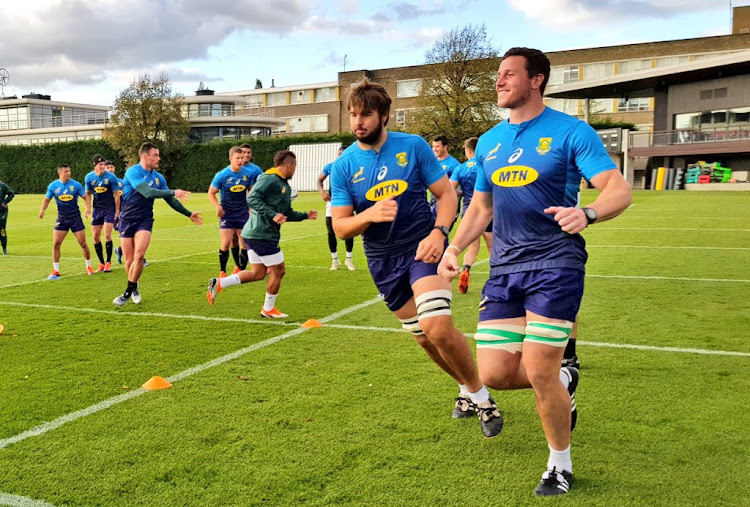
434 303
412 325
549 333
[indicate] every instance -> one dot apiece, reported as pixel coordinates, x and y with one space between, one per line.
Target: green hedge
196 170
29 169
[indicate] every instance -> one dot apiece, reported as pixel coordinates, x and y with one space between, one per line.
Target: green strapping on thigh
537 338
562 329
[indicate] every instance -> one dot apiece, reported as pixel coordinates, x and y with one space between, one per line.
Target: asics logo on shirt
515 156
381 174
514 176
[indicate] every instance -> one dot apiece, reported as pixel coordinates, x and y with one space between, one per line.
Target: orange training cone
155 383
2 328
312 323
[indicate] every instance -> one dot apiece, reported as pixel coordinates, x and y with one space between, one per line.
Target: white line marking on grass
170 259
680 278
60 421
670 247
667 349
605 228
151 314
21 501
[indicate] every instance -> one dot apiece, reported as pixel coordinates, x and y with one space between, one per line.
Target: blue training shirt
404 168
134 206
466 176
103 189
449 164
255 171
66 197
233 187
529 167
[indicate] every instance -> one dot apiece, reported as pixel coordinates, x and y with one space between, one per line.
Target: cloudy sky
87 51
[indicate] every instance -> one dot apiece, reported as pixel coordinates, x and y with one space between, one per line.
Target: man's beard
373 137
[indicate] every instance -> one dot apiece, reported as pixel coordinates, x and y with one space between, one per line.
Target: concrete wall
685 98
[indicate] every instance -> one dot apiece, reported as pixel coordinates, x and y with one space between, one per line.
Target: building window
325 94
300 97
570 74
593 71
630 105
599 106
568 106
401 117
255 100
628 66
276 99
408 88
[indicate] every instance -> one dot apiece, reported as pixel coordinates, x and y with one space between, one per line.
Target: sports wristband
458 251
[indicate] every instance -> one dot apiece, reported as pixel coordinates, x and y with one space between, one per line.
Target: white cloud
75 41
589 14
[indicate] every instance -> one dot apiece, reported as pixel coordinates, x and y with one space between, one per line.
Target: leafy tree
458 96
148 111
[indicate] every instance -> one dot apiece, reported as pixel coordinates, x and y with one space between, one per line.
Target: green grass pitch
353 412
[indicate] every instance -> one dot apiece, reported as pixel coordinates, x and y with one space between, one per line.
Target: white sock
270 302
228 281
463 389
88 263
564 379
560 460
480 396
56 266
348 255
334 255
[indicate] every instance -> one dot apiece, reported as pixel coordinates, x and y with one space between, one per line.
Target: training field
353 412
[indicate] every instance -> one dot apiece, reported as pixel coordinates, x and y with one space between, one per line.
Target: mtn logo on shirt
100 190
237 188
514 176
65 197
386 189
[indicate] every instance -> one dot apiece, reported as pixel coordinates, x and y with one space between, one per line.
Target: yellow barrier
660 178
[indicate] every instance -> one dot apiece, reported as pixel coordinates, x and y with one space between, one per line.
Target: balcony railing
76 120
691 136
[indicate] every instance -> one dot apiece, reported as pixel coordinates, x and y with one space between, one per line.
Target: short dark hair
146 148
246 147
63 166
369 96
471 143
441 139
281 157
536 63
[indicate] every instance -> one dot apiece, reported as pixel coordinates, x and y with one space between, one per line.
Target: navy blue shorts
394 277
554 293
73 224
101 216
233 221
128 229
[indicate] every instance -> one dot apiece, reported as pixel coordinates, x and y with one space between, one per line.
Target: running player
66 191
448 163
378 190
6 195
239 253
528 169
464 178
232 183
141 185
105 189
332 241
271 204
